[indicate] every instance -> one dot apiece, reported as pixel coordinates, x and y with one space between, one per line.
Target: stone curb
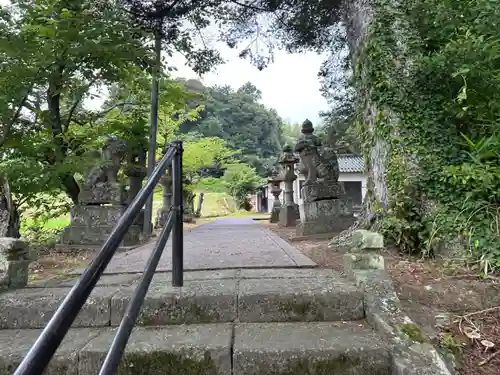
383 310
293 253
215 349
265 295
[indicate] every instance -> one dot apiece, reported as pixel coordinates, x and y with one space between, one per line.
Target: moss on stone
166 313
160 363
300 309
341 365
414 332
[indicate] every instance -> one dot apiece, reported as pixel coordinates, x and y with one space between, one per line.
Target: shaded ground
58 264
438 297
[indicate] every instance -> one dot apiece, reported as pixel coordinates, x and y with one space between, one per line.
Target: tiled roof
349 163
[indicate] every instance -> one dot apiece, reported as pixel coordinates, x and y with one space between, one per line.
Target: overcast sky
290 84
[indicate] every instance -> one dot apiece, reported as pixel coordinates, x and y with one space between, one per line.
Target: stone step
215 349
244 295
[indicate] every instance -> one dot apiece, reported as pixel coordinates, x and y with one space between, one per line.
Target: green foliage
239 119
291 133
53 53
435 64
202 152
43 217
241 180
339 91
56 54
211 184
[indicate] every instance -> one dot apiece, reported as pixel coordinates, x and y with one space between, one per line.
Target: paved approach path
222 244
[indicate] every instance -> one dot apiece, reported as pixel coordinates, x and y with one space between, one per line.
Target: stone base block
327 216
275 215
309 348
190 349
367 261
288 216
102 193
97 235
17 273
299 300
161 218
320 190
14 261
365 240
202 301
96 215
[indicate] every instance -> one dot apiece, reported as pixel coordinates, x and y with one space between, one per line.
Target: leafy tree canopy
240 181
246 125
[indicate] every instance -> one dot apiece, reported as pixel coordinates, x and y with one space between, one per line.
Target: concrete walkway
222 244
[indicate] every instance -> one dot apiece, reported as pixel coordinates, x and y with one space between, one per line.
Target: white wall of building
343 177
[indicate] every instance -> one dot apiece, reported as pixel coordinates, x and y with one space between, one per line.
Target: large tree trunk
9 215
360 14
71 187
359 17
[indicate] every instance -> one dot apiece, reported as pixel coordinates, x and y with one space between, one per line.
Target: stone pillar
201 198
365 253
325 208
275 181
289 211
136 171
188 199
258 201
162 213
136 175
14 261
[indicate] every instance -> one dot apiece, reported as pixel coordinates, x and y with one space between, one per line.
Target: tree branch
76 103
8 127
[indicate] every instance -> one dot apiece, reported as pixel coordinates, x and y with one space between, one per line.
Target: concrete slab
308 348
258 349
106 280
298 299
166 277
250 295
233 221
16 343
193 349
203 301
288 273
219 245
34 307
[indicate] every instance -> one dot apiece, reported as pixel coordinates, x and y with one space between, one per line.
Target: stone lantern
325 208
289 211
275 182
162 213
135 170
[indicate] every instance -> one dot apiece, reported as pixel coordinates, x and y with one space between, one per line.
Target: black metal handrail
42 351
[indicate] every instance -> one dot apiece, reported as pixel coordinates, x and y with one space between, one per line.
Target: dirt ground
58 264
459 309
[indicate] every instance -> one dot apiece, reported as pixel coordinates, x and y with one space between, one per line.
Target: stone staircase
241 322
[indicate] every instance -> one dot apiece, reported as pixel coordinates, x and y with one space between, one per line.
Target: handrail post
177 230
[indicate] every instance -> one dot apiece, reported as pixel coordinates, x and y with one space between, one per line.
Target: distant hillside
237 117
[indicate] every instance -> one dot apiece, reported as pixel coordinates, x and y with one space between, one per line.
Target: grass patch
55 223
216 204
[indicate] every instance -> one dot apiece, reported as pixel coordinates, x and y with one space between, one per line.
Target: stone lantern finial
307 127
